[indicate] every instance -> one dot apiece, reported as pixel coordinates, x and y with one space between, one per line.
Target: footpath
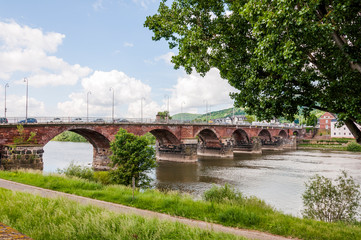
250 234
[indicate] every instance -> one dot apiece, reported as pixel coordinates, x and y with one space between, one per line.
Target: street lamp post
6 86
27 99
182 111
87 105
141 109
112 89
205 101
167 96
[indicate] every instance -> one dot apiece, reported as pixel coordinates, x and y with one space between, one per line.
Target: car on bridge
99 120
118 120
56 120
3 120
28 120
77 120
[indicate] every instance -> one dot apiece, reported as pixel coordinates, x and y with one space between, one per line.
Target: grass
60 218
250 213
323 146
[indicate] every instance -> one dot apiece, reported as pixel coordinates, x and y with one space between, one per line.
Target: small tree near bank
330 201
132 157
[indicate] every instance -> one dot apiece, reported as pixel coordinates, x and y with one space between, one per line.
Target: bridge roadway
183 142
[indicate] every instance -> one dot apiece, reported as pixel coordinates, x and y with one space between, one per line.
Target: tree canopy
280 54
132 157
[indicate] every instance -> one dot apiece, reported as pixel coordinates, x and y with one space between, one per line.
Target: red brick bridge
176 142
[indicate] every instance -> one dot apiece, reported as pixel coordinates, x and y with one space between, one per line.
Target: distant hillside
211 115
185 116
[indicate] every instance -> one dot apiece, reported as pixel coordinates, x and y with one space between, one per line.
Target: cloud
166 58
144 3
26 50
128 91
127 44
98 5
193 92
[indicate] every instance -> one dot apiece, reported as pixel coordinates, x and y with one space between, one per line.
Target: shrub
354 147
329 202
102 177
219 194
74 170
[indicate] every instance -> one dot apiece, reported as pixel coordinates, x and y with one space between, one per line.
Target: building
325 121
342 131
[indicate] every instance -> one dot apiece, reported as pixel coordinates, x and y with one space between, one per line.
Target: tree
280 55
132 157
164 115
311 120
250 118
329 202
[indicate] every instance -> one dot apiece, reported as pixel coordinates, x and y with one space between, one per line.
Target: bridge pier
25 156
185 152
101 159
254 147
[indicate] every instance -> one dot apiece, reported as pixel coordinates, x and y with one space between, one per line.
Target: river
276 177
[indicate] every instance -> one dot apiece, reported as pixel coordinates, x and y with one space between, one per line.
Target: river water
276 177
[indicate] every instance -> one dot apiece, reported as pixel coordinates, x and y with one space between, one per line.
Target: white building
341 132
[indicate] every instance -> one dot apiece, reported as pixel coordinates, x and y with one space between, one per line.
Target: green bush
102 177
74 170
354 147
332 201
220 194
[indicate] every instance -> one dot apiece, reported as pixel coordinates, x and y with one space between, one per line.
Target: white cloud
24 49
127 44
127 91
98 5
144 3
166 58
194 91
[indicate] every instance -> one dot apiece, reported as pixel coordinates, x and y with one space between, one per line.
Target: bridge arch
209 138
240 137
283 134
296 133
165 137
265 135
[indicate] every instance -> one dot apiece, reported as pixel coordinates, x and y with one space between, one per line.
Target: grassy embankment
43 218
338 144
250 213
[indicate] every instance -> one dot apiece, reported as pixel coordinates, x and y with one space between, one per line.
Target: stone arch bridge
175 142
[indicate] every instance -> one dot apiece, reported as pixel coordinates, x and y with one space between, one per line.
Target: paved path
8 233
131 210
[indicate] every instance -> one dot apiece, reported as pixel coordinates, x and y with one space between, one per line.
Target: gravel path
145 213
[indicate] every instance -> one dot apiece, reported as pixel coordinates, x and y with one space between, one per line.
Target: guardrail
72 120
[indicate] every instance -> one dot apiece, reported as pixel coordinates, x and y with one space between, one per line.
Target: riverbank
337 144
252 213
61 218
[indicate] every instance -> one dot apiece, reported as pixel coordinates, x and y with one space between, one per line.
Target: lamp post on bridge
205 101
167 96
6 86
141 109
27 99
87 105
182 111
112 89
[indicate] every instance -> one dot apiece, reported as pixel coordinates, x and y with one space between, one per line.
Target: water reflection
276 177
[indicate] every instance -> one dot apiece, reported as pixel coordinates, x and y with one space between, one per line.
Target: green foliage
220 194
354 147
164 115
280 55
75 170
60 218
103 177
22 139
132 157
69 136
250 118
150 137
311 120
185 116
251 213
330 202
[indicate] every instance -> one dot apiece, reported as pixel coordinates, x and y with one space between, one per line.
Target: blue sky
68 48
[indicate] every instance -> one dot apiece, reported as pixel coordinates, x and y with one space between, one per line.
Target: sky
73 52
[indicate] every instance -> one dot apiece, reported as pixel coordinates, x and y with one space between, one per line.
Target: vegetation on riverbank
338 144
60 218
246 212
69 137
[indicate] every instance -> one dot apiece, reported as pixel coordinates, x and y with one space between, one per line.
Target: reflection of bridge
176 142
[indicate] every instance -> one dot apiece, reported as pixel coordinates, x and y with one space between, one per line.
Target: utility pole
6 86
27 99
